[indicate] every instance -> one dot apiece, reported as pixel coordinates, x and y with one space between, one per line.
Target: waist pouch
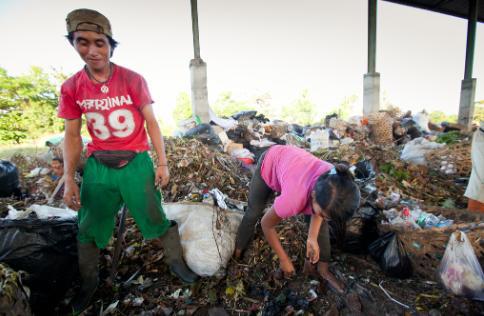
116 159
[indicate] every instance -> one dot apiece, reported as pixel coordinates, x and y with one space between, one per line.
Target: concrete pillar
466 106
371 93
371 80
198 75
468 85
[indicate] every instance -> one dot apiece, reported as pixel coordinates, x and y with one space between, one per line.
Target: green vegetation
183 107
479 112
451 137
226 106
389 169
438 117
28 105
302 111
26 149
346 108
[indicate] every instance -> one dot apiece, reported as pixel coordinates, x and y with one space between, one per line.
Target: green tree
438 117
301 111
28 105
183 107
227 106
479 112
346 107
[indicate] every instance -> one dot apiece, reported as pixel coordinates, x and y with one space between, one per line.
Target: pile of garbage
195 169
404 165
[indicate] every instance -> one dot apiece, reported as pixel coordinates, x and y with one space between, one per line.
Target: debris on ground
388 254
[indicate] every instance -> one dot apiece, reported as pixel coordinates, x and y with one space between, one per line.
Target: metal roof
458 8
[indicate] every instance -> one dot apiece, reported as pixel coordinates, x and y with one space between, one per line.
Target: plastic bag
460 270
41 211
204 133
244 115
415 150
47 251
364 170
360 231
389 252
207 235
9 182
319 139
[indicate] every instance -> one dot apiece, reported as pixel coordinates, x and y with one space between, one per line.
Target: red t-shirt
113 109
293 172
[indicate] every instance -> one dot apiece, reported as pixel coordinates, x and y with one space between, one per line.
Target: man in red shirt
117 104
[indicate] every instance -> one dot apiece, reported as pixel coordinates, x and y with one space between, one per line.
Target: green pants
103 192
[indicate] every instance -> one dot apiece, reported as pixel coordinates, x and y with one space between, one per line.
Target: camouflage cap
88 20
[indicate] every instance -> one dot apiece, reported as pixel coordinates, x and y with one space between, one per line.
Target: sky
253 47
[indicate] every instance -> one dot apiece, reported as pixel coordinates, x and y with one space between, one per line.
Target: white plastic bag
460 270
422 120
207 235
415 150
42 211
319 139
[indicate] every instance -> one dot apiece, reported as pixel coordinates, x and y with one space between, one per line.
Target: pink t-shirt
293 172
113 110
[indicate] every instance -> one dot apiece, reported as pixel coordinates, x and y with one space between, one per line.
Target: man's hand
71 194
312 250
287 267
162 176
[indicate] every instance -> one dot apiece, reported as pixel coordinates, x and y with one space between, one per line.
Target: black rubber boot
174 255
88 257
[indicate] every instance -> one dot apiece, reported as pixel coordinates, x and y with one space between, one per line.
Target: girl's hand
312 250
287 267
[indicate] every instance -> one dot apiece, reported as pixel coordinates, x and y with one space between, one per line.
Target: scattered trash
110 309
14 297
391 298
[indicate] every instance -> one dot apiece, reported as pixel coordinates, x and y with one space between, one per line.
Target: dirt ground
145 287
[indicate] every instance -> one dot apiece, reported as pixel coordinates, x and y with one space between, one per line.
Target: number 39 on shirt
120 123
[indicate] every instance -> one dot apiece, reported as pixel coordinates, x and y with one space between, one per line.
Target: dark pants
259 193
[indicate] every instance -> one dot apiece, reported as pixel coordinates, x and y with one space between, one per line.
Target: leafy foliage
391 170
346 107
183 107
451 137
226 105
438 117
479 112
28 105
302 111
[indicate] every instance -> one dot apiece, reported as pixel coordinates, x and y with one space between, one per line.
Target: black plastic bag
203 132
244 115
355 235
390 253
47 251
9 181
364 170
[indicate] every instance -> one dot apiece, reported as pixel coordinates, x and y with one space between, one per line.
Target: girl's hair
112 42
338 194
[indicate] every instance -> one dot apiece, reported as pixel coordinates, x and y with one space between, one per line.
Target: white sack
207 246
42 211
422 120
415 150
